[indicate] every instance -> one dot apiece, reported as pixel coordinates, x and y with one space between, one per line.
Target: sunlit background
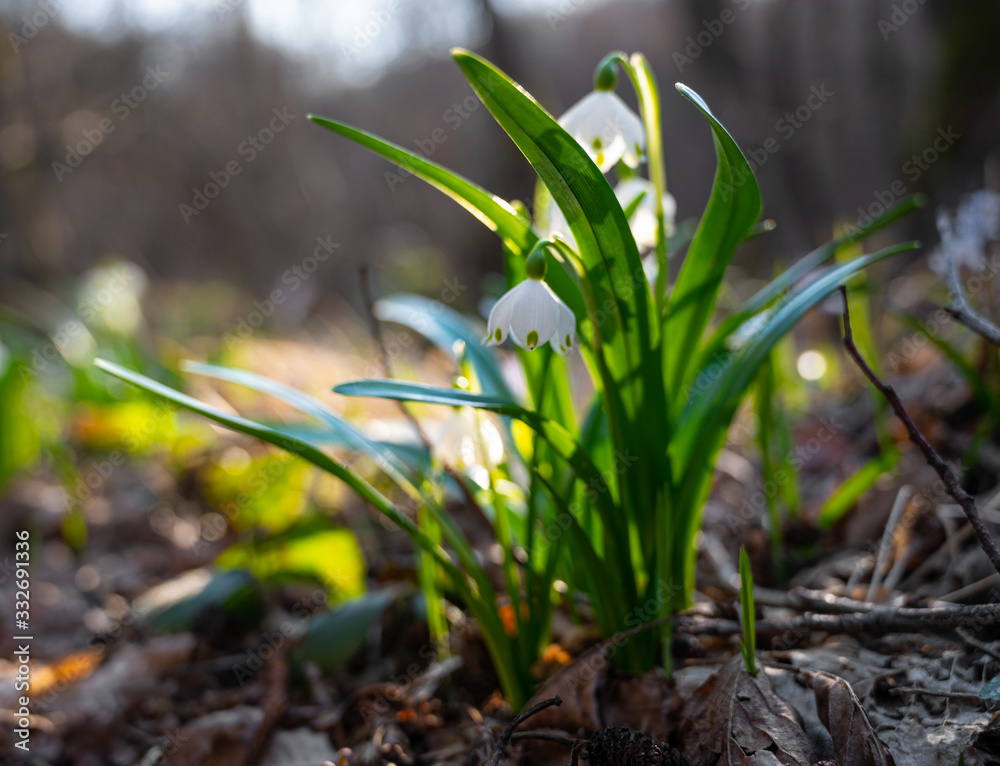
220 70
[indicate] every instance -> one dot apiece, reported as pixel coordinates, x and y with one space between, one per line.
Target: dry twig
951 481
503 741
878 620
960 307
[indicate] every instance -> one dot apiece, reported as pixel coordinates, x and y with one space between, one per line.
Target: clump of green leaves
614 493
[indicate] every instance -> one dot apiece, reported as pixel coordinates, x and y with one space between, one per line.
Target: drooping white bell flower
643 220
609 131
531 314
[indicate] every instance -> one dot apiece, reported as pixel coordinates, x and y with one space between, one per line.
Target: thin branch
960 307
951 481
878 620
503 741
964 313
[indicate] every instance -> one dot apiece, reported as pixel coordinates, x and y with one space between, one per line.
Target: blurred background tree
168 94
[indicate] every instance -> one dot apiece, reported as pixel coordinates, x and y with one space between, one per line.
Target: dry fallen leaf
854 738
577 684
735 719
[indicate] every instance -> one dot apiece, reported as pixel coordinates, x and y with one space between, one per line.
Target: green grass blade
847 494
561 441
777 286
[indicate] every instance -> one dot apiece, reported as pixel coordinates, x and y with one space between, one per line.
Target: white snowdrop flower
609 131
643 220
531 314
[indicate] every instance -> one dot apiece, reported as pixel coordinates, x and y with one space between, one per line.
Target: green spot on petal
600 158
498 335
598 143
568 343
532 339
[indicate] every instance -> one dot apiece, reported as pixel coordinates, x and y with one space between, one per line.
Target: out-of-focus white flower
964 239
468 439
643 220
604 125
111 296
532 315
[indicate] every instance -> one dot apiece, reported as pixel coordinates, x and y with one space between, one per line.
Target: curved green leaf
561 441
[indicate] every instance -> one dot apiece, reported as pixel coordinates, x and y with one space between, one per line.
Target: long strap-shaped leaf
625 336
494 212
733 207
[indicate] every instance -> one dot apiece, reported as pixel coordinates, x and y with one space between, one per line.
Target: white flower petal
499 322
565 335
536 315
